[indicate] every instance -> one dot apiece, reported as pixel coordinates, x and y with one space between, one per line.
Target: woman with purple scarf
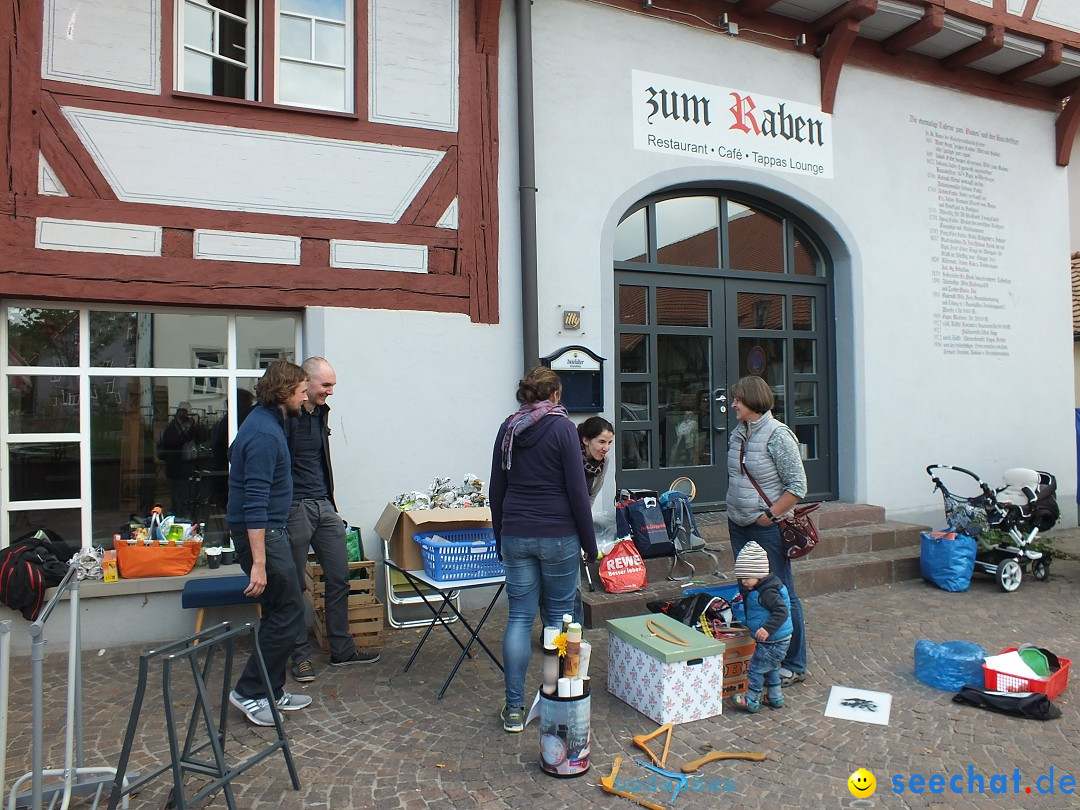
542 517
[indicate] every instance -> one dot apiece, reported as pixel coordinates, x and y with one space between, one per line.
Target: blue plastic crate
460 554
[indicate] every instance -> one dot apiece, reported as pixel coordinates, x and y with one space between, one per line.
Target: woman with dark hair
542 518
596 434
764 449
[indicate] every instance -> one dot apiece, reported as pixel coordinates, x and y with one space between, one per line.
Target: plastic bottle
949 665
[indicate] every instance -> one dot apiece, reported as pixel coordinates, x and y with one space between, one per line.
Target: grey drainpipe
527 186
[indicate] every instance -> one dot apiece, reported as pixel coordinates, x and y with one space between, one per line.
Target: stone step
849 557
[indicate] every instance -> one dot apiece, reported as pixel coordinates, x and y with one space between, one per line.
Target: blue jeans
764 669
282 613
768 537
554 561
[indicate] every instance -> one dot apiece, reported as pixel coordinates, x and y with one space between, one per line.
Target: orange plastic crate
1051 687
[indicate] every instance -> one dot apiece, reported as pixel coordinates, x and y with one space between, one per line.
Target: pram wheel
1041 570
1009 575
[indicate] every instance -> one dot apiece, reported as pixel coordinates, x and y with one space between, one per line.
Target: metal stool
200 660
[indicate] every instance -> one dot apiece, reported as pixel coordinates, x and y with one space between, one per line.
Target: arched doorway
711 286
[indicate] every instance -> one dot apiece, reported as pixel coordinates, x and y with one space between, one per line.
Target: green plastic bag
354 547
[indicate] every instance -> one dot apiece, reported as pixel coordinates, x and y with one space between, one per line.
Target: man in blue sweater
260 493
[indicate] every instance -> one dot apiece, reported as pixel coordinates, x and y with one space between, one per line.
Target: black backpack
27 567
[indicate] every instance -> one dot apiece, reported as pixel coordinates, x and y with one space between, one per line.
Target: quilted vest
744 504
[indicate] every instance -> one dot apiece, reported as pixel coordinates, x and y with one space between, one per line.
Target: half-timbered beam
752 8
931 23
1050 59
989 44
1065 129
833 55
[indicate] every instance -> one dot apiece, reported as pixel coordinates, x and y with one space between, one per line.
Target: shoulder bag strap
746 472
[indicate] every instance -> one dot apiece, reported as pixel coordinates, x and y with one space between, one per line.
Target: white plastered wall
902 403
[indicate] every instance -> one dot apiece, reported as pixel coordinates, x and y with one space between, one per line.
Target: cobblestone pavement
379 737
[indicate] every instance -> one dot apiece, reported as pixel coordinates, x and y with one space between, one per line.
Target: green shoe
513 718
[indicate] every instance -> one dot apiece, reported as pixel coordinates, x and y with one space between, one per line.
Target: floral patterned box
662 679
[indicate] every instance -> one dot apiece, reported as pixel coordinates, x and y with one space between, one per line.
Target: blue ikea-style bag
947 559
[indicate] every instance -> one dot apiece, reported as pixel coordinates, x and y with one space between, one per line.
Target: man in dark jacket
314 522
260 492
177 450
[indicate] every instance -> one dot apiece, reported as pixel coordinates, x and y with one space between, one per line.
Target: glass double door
681 341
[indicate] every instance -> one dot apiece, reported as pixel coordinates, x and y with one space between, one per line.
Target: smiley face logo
862 784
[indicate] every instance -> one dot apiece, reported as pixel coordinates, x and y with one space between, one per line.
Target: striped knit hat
752 562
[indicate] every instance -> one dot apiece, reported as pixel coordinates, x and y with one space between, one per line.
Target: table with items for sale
451 566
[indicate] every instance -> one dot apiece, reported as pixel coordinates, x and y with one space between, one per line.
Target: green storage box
634 631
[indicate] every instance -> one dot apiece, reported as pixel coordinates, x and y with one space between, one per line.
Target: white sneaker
289 702
257 710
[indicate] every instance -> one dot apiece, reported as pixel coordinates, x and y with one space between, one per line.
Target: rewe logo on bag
625 563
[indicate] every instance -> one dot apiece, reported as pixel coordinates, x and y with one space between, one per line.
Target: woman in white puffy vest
765 448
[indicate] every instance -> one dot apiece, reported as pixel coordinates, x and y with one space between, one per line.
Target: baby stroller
1024 506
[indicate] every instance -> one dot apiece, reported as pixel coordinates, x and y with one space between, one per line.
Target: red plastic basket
1051 687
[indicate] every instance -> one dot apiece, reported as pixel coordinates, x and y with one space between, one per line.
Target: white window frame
347 68
251 49
255 64
231 374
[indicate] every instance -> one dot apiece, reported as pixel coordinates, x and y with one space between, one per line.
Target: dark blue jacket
544 493
768 606
260 478
328 469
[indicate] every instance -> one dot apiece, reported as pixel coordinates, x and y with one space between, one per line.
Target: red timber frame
462 272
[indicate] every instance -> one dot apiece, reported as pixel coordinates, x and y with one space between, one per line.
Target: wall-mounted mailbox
582 375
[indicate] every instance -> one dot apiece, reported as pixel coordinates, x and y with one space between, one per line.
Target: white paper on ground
534 710
846 703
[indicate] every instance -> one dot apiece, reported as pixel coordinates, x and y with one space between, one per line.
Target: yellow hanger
664 635
641 739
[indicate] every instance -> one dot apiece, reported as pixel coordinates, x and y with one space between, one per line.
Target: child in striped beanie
768 615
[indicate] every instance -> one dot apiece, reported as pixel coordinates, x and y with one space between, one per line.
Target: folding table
445 588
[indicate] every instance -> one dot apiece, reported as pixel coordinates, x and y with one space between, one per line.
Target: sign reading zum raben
691 119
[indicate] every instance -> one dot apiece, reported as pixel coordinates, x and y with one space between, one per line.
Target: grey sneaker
303 672
513 718
358 657
257 710
289 702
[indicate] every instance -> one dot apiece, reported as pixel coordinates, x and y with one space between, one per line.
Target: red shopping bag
623 570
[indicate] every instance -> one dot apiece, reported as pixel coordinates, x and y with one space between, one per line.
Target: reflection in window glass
807 259
687 232
805 399
114 339
633 305
132 473
803 315
758 311
43 337
755 240
65 522
261 339
43 471
635 454
311 85
681 307
633 354
46 404
295 37
631 242
684 372
171 339
634 402
808 441
804 360
764 357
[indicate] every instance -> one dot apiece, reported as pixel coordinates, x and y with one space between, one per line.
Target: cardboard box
397 528
667 682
